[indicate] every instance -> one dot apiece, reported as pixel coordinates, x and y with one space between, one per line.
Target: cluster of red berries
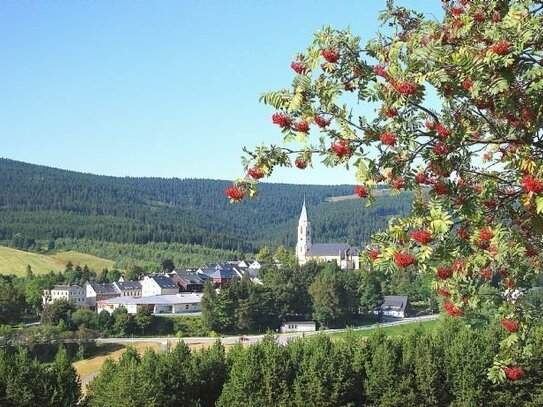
397 183
300 163
440 188
331 55
463 234
444 292
467 84
486 273
236 194
373 254
298 67
421 178
442 131
389 111
453 310
509 325
302 127
406 87
321 121
388 138
444 273
422 236
513 373
255 172
502 48
342 149
282 120
479 16
531 184
380 70
457 10
531 252
404 259
361 191
485 234
441 148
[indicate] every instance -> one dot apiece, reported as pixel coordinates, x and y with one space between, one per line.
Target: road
281 338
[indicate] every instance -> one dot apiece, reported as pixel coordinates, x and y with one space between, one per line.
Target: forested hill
40 202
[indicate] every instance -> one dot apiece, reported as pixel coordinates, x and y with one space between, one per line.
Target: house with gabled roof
158 285
95 292
187 280
346 256
396 306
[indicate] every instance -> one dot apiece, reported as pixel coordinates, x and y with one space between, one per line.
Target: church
343 254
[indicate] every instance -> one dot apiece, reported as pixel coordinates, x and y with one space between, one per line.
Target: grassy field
13 261
391 330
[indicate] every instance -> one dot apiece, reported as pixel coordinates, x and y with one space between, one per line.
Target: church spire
303 214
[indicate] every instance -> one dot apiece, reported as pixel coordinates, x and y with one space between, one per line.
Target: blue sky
165 88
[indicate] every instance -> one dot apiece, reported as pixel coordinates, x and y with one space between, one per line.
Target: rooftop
181 298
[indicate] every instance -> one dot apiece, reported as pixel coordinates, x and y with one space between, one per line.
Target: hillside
43 203
13 261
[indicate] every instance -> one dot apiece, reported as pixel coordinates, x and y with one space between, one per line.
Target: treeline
42 203
446 367
25 382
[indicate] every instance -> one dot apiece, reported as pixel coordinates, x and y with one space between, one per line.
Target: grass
13 261
391 330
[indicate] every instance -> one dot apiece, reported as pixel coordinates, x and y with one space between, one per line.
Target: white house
346 256
158 285
98 292
298 326
180 303
72 293
396 306
129 288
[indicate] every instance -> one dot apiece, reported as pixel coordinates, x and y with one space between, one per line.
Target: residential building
346 256
72 293
128 288
158 285
180 303
98 292
187 280
396 306
298 326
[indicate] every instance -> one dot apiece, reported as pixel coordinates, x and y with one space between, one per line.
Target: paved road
281 338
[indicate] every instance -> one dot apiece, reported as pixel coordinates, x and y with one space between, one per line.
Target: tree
67 387
85 317
58 310
208 305
143 318
167 265
370 291
473 156
132 272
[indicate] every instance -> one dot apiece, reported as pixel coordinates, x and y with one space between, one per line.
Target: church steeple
304 236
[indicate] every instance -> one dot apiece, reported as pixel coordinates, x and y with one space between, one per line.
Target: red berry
397 183
467 84
509 325
300 163
406 87
440 188
463 234
485 234
496 17
441 148
422 236
453 310
531 252
302 127
404 259
457 10
442 130
331 55
486 273
281 119
531 184
443 273
342 149
298 67
321 121
421 178
444 292
373 254
380 70
361 191
459 265
389 111
255 172
502 48
513 373
479 16
388 138
236 194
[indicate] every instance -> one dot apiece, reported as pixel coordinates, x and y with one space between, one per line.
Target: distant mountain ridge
47 203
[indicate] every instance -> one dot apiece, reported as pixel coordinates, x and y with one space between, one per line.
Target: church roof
330 249
303 215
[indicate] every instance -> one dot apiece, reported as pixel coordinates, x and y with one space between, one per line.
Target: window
187 306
